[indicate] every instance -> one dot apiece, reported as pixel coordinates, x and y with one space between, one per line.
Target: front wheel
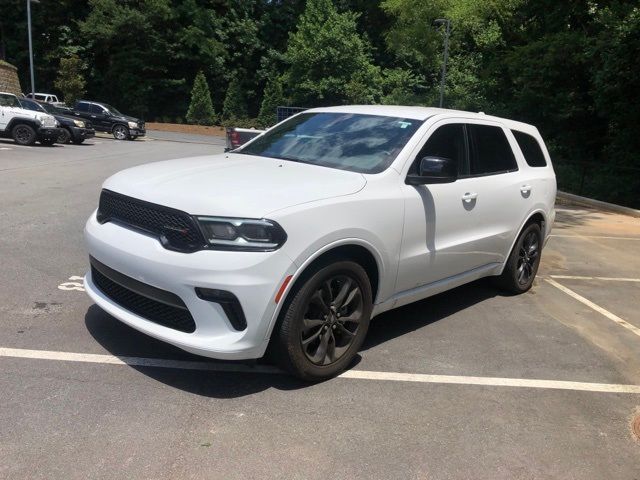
65 136
323 326
523 262
23 134
120 132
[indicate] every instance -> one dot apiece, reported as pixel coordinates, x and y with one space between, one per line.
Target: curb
564 198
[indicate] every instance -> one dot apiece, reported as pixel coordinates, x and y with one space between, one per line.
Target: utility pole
33 87
447 23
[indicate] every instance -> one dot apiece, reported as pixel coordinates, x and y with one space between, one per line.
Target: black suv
105 118
73 130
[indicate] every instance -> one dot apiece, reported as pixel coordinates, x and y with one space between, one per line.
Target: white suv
297 239
26 126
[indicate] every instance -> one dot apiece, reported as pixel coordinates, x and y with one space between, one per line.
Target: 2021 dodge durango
294 241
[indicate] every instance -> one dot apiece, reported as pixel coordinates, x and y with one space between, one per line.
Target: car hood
233 185
67 120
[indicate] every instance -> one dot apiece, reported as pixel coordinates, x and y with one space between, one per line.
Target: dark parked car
105 118
73 129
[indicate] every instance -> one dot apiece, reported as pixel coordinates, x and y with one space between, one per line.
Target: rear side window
447 142
83 107
530 149
490 150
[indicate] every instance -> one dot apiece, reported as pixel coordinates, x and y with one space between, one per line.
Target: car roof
423 113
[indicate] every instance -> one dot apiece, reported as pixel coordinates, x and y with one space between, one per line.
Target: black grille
166 315
176 230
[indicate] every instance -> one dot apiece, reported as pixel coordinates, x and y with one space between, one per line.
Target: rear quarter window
530 149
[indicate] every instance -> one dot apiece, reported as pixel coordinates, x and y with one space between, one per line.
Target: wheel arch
537 216
351 249
22 121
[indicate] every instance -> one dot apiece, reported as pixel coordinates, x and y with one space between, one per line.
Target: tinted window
447 142
82 107
490 150
31 105
40 97
348 141
96 109
530 149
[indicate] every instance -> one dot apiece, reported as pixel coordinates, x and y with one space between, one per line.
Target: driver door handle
467 197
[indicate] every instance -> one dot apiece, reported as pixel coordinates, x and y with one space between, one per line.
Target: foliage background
568 67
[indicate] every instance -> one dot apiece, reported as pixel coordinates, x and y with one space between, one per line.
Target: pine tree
201 109
271 100
234 107
70 80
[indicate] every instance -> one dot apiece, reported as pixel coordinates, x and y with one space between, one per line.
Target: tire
120 132
522 265
23 134
78 141
65 136
324 323
48 141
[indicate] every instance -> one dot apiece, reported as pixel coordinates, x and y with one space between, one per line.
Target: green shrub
201 108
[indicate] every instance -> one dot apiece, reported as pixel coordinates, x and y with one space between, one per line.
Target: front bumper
79 133
253 277
49 133
137 132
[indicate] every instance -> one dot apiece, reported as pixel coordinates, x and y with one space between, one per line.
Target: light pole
33 88
447 23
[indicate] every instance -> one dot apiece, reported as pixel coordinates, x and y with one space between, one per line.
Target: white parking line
595 236
597 308
350 374
606 279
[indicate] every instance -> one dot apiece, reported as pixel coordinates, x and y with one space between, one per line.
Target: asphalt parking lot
468 384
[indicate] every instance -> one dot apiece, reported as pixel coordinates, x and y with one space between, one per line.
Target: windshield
111 109
348 141
31 105
8 100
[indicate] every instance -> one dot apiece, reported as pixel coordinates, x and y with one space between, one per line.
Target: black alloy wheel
521 267
24 134
324 320
64 137
527 258
331 321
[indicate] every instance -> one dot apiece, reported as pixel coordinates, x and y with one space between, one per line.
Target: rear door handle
467 197
525 188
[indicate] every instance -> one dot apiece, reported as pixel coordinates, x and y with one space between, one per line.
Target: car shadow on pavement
121 340
404 320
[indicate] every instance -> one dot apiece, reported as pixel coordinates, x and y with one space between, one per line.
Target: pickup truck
25 126
106 118
237 137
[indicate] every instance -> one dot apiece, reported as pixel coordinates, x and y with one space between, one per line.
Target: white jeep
26 126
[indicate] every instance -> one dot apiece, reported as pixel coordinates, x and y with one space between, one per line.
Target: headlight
40 120
79 123
242 233
133 125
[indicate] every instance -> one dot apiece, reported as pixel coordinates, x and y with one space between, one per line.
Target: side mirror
434 170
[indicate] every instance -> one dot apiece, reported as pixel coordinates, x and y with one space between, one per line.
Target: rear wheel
523 262
323 326
23 134
65 136
120 132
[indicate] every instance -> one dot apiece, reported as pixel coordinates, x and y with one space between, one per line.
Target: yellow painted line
349 374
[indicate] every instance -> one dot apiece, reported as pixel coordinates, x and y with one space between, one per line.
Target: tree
328 61
234 106
201 109
271 99
70 80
